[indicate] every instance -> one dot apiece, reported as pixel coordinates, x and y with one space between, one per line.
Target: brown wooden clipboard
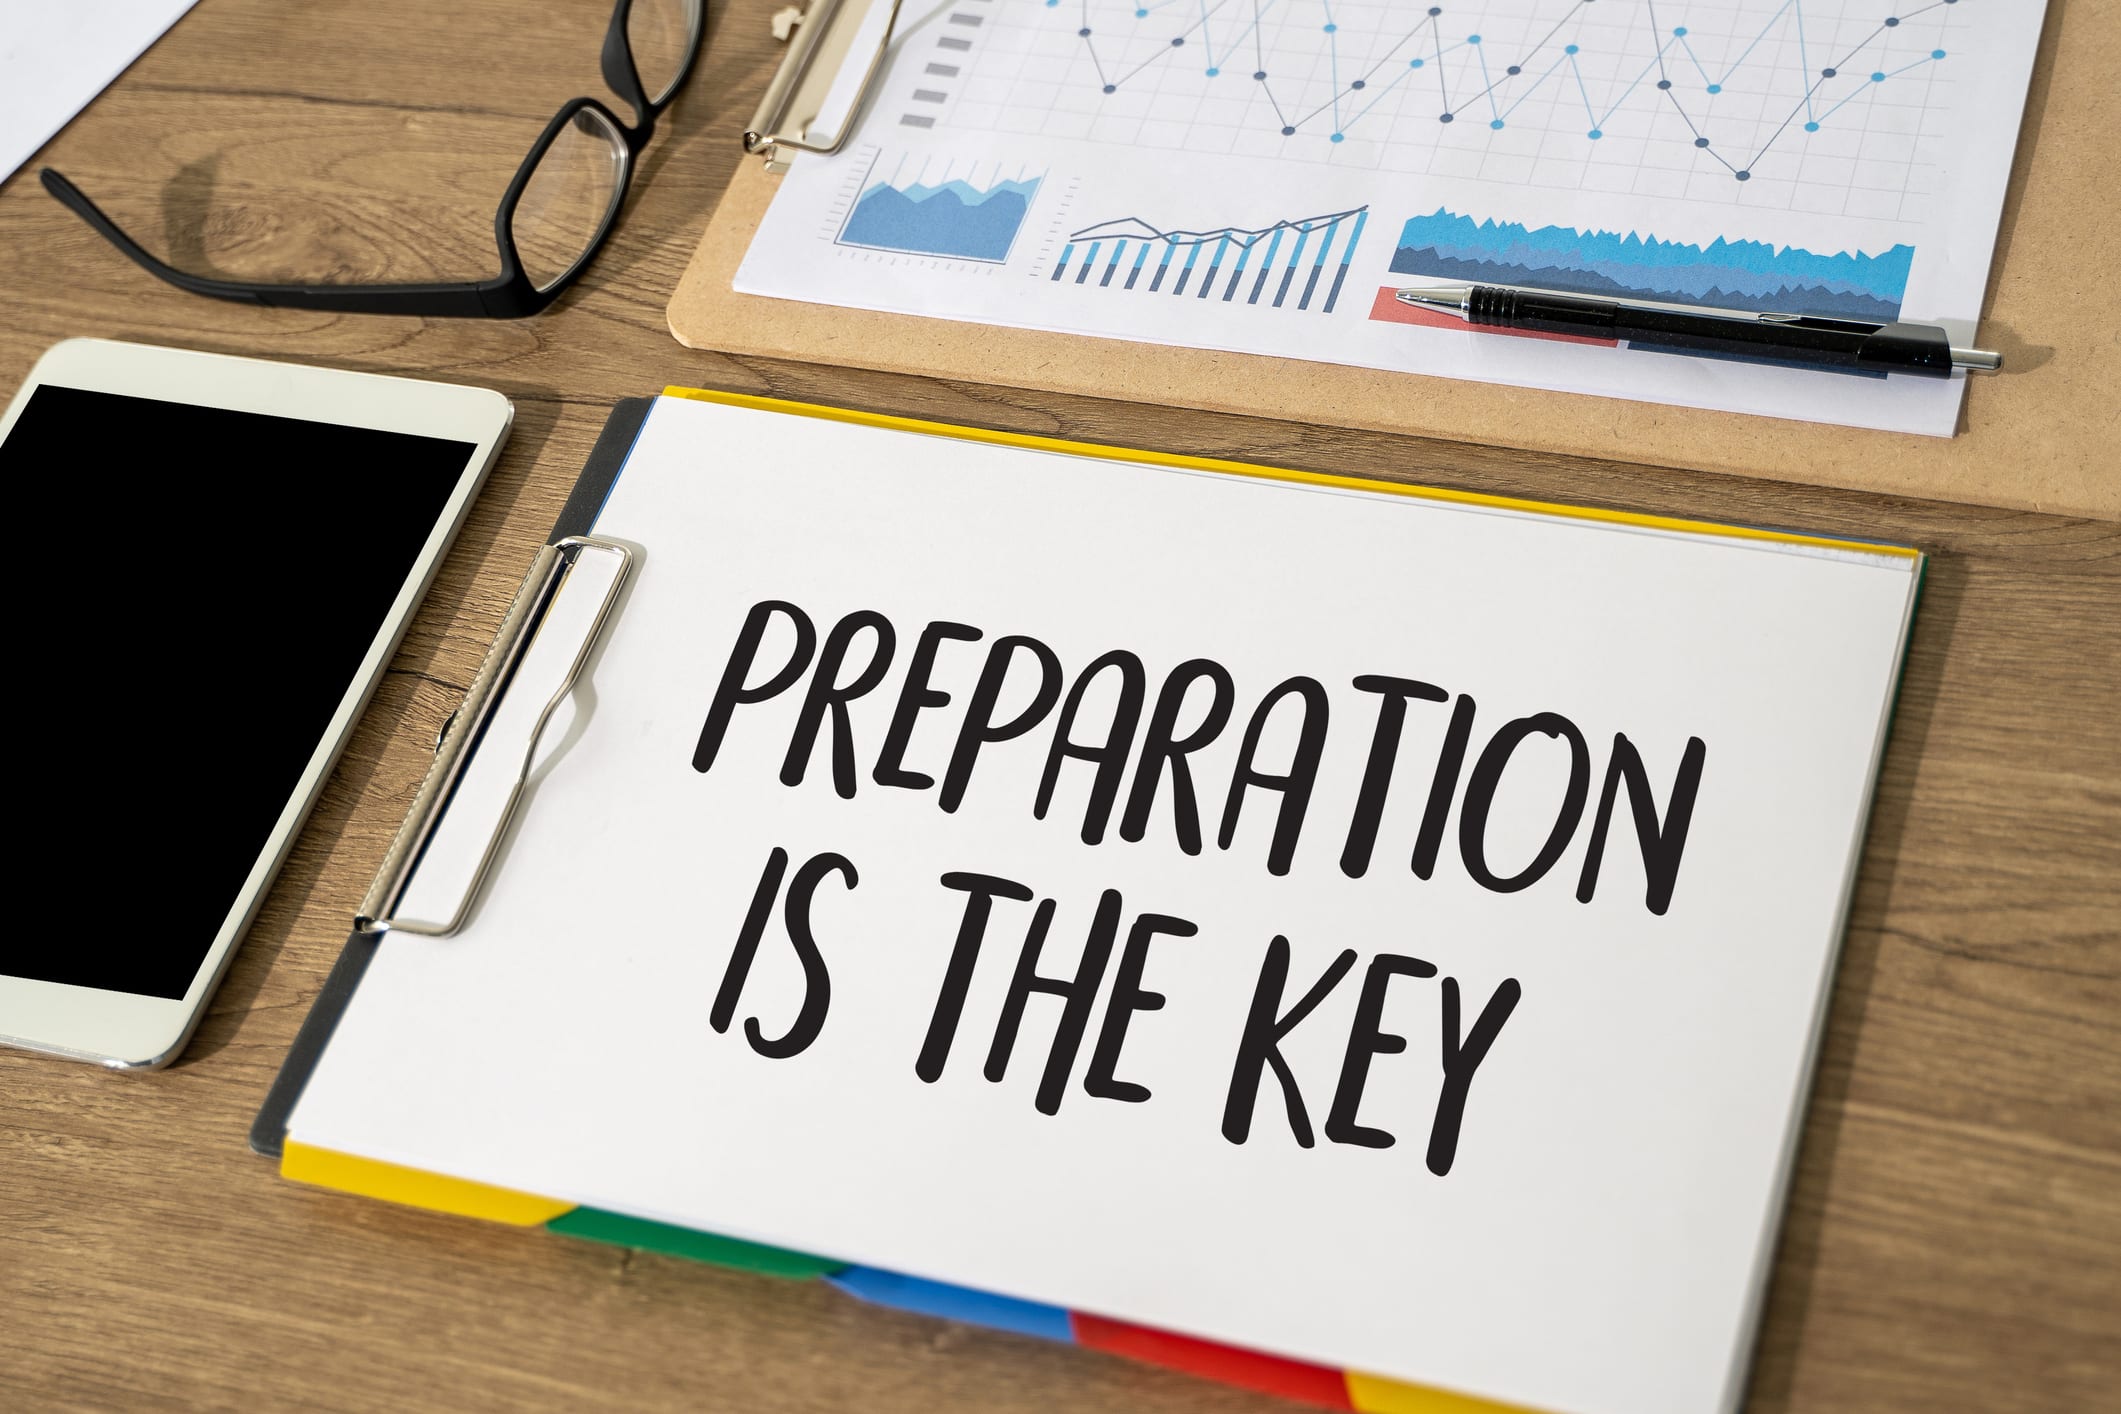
2044 435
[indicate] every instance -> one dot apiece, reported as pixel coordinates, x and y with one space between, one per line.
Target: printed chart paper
1261 175
1434 905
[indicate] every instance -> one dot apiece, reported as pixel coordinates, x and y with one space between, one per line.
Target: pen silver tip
1977 360
1450 299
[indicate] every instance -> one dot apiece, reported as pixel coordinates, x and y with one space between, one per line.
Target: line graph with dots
1832 104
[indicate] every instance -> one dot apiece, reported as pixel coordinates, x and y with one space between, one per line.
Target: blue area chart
955 219
1723 274
1295 264
1436 61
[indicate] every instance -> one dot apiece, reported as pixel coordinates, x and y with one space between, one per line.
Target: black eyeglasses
554 216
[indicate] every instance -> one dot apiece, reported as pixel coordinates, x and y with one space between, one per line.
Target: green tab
620 1231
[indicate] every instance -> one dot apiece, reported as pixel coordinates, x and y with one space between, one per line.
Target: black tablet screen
197 590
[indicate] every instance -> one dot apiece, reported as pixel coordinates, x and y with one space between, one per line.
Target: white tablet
221 555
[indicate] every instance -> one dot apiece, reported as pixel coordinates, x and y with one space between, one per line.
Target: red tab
1388 308
1270 1374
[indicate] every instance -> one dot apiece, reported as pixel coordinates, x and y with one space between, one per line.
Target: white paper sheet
1084 165
56 57
1599 1241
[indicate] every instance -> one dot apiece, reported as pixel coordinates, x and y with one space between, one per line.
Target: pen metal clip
810 105
570 590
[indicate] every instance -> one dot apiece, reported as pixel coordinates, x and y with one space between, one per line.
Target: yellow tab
1445 495
1373 1394
372 1178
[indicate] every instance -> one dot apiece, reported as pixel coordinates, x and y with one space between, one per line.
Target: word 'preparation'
855 655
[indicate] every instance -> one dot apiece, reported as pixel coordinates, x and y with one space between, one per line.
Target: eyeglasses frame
512 294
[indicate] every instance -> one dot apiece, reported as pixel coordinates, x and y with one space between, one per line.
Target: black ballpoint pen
1797 339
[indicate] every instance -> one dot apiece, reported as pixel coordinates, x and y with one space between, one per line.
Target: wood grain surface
1954 1237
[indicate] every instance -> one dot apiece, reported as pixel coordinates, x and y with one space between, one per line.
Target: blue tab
955 1303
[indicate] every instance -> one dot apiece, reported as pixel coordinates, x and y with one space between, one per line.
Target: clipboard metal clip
431 875
813 104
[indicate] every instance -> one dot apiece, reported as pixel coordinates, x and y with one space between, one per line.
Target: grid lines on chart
1831 106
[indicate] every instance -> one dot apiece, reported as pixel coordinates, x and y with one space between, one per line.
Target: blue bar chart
1301 263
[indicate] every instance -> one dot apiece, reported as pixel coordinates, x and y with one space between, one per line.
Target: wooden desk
1955 1234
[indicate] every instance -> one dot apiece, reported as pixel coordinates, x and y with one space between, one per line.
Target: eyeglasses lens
571 194
662 34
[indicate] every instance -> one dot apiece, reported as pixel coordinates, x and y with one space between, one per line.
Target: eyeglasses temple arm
455 299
